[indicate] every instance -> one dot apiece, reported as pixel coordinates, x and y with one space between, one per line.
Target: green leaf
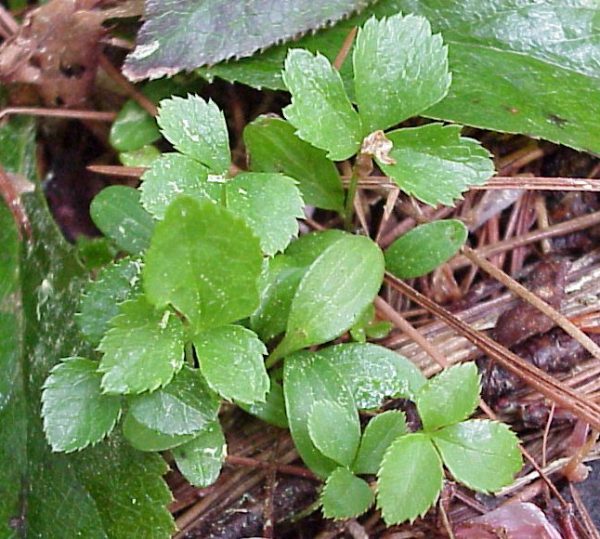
335 290
196 128
185 406
425 247
320 111
100 299
172 175
271 411
142 157
435 164
117 212
335 430
144 439
400 69
200 459
133 128
380 433
345 495
449 397
185 34
373 372
231 360
307 379
218 263
94 253
483 455
409 480
273 147
270 204
76 414
143 349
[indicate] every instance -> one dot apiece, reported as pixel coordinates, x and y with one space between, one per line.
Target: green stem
189 354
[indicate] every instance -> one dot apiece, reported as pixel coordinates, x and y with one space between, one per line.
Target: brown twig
345 49
298 471
93 115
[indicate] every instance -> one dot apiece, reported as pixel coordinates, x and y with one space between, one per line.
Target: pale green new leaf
424 248
379 434
172 175
270 203
144 439
449 397
307 379
409 480
231 360
117 212
345 495
196 128
274 147
320 111
333 293
373 372
100 299
76 414
483 455
335 430
200 459
400 69
143 349
435 164
205 262
185 406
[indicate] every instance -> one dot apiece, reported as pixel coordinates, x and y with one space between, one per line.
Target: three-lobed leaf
345 495
483 455
273 146
143 349
400 69
435 164
320 111
449 397
409 479
76 413
197 129
231 361
425 247
205 262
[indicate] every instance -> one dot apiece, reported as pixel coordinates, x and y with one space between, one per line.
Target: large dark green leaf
105 491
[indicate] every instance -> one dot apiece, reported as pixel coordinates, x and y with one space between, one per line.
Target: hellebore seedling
214 279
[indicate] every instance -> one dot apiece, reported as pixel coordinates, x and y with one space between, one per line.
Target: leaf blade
345 495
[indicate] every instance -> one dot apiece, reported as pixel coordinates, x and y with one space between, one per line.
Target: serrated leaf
172 175
271 411
76 414
332 294
186 34
197 129
335 431
449 397
400 69
373 372
117 212
100 299
435 164
205 262
273 147
231 360
424 248
483 455
185 406
133 128
409 480
379 434
200 459
143 350
144 439
307 379
345 495
270 204
320 111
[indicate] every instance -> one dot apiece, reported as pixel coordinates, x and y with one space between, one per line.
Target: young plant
214 280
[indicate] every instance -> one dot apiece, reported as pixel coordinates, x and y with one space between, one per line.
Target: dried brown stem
345 49
93 115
